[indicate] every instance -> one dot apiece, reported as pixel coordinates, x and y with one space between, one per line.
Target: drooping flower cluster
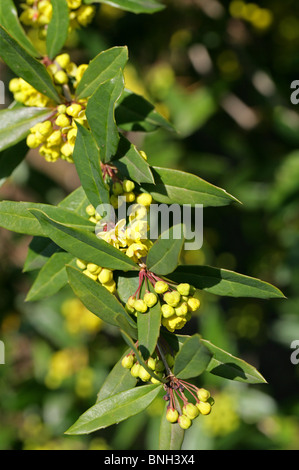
185 414
154 363
56 136
37 14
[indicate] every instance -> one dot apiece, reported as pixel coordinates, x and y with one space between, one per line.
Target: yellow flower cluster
102 275
153 362
177 304
37 14
56 137
78 318
190 411
260 18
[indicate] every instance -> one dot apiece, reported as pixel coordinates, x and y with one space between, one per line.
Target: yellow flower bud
128 186
190 410
183 289
110 286
105 276
61 77
71 69
172 298
71 136
74 110
144 199
67 149
143 154
94 268
172 415
161 287
90 275
135 370
150 299
32 141
151 362
14 85
184 422
80 71
81 264
204 407
130 197
55 138
128 361
117 188
62 109
85 14
143 374
74 4
182 309
193 304
203 394
140 306
63 60
62 120
167 311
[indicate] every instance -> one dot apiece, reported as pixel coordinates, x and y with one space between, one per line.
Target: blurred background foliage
221 72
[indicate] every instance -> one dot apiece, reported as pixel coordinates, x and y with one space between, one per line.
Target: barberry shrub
81 113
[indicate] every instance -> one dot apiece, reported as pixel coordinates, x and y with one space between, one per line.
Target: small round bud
74 110
129 197
150 299
140 306
110 286
63 60
193 304
94 268
203 394
190 410
62 120
172 415
61 77
144 199
117 189
161 287
172 298
128 361
94 277
167 311
184 422
204 407
131 301
128 186
183 289
90 210
182 309
135 370
81 264
151 362
156 381
105 276
143 374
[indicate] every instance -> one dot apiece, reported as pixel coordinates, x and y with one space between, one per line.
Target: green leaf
102 68
118 380
87 160
115 409
134 6
10 21
131 164
15 216
51 278
192 359
15 124
57 31
163 256
100 301
134 113
127 284
10 159
223 282
80 242
171 435
39 252
178 187
76 202
148 325
100 115
26 66
224 364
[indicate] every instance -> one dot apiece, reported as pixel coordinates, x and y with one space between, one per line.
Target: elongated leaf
26 66
149 329
15 216
39 252
40 249
178 187
100 301
87 161
76 202
134 113
223 282
10 21
171 435
102 68
10 159
118 380
81 242
115 409
51 278
192 359
131 164
57 31
127 284
16 123
134 6
100 115
163 256
230 367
